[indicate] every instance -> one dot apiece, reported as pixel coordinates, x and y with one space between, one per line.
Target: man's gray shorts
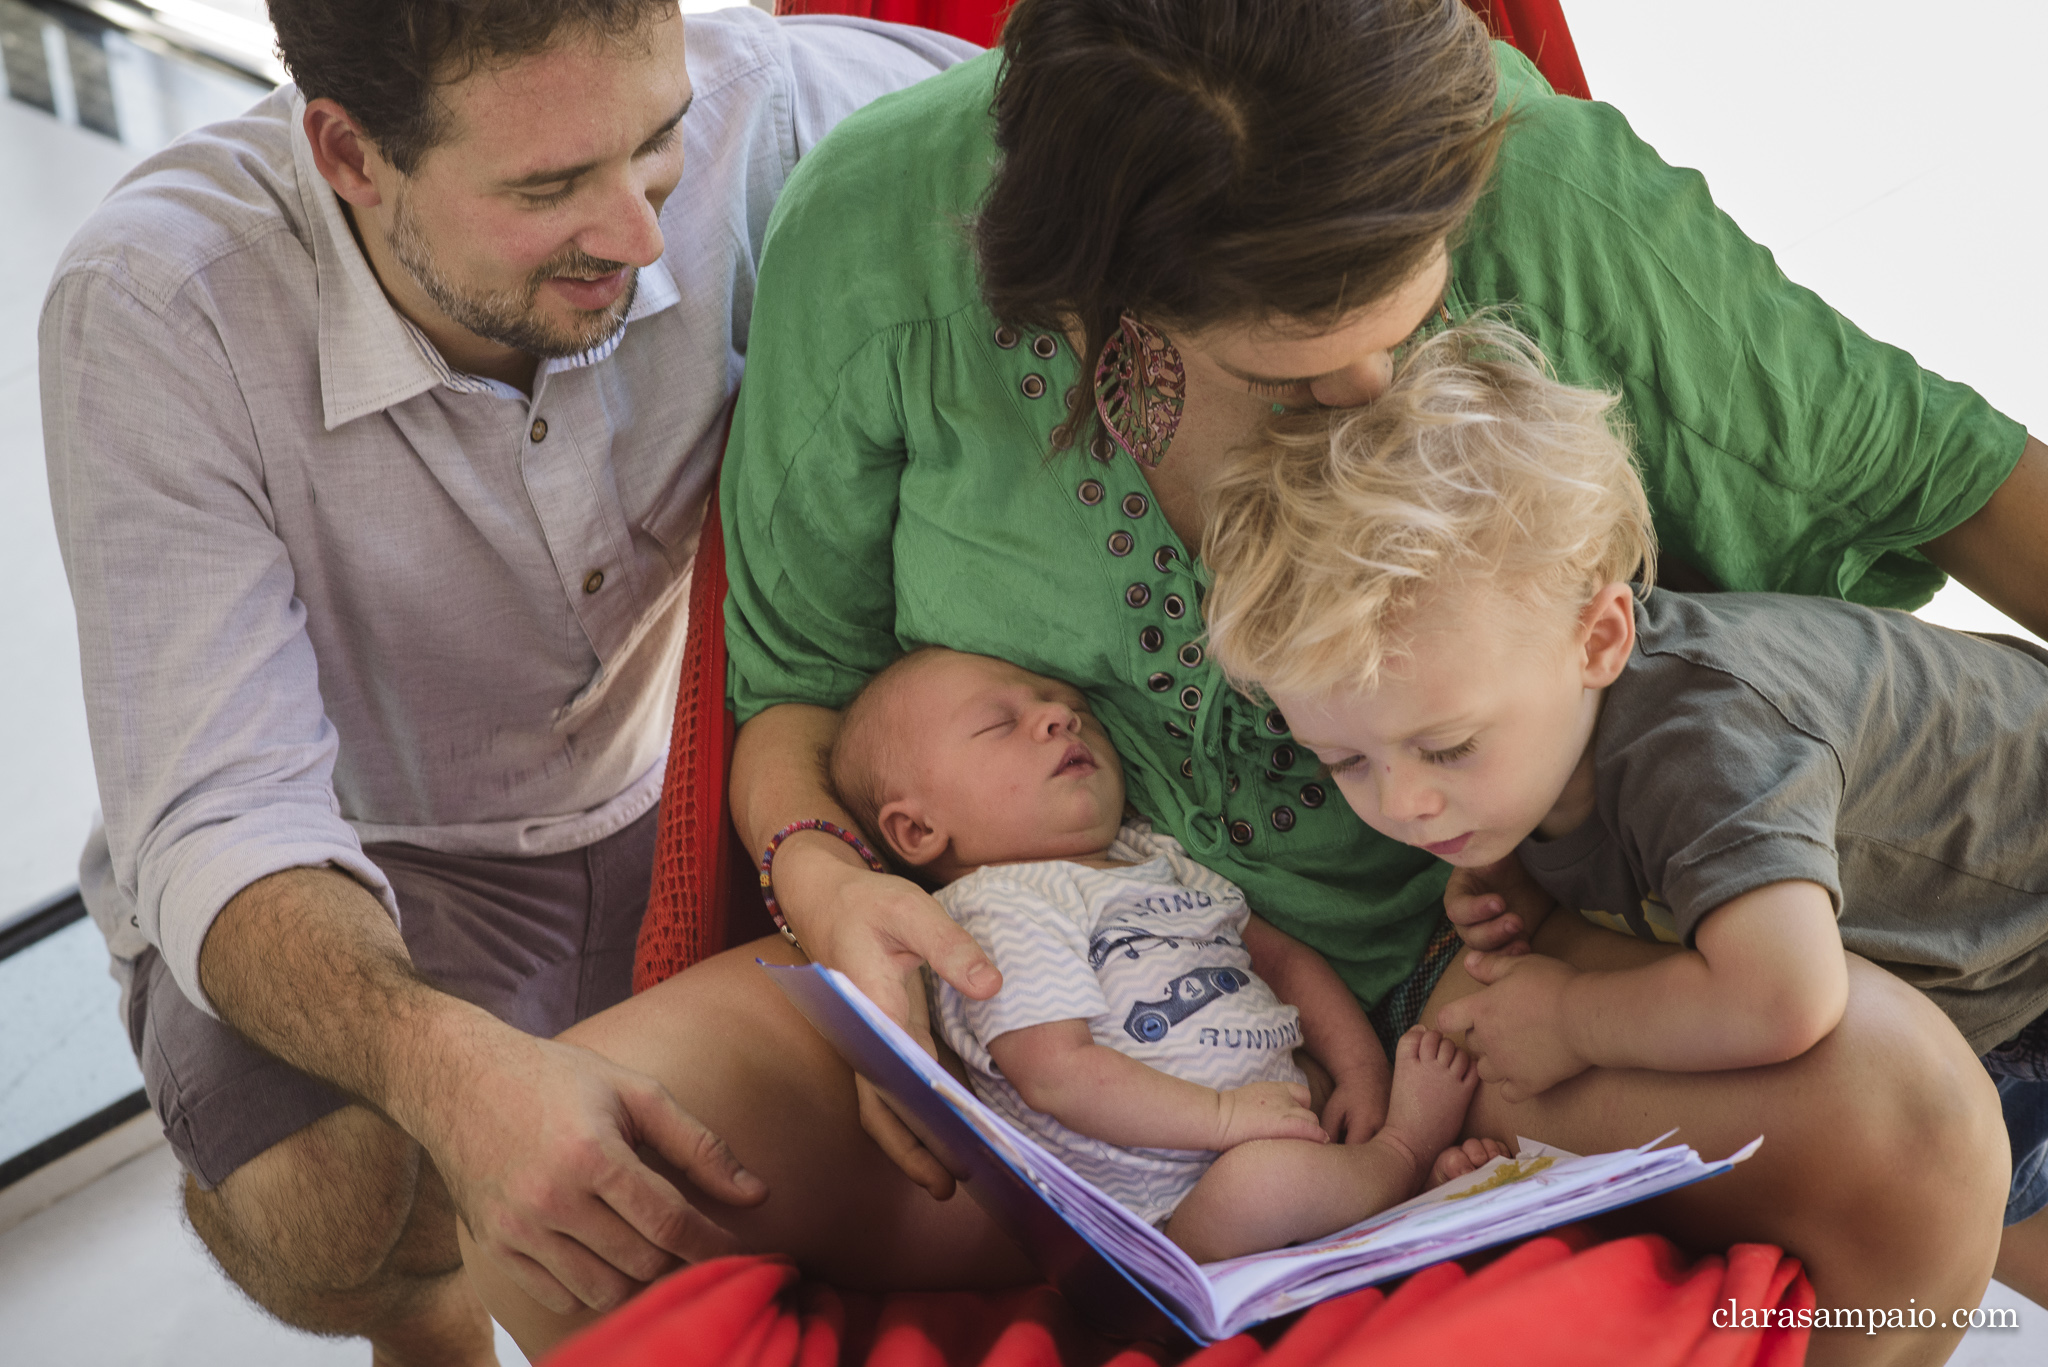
539 943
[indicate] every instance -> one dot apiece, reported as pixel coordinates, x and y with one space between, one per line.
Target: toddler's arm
1766 982
1333 1028
1059 1069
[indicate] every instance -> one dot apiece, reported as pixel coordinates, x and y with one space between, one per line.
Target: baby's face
1466 745
1009 766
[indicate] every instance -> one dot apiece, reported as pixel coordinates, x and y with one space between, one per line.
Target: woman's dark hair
1201 161
382 60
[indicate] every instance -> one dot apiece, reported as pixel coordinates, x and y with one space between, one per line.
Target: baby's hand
1496 907
1265 1110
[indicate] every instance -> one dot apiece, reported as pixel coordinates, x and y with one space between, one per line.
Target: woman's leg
741 1059
1884 1162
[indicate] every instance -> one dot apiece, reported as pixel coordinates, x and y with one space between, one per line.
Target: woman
1199 213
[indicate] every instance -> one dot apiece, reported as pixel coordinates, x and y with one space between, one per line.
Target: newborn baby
1147 1025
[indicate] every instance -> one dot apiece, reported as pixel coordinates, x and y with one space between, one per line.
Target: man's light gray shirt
331 592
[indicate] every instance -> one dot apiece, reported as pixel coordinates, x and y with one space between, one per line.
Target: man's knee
324 1211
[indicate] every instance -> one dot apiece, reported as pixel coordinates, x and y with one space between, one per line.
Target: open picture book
1128 1279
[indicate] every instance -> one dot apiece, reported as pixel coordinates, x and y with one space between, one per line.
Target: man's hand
536 1141
1265 1110
1497 906
1516 1028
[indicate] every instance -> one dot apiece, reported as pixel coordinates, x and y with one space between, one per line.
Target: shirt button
1163 558
1283 819
593 581
1240 832
1283 757
539 430
1191 697
1276 723
1175 607
1151 638
1312 795
1033 386
1089 492
1044 347
1137 595
1006 338
1135 505
1119 543
1191 654
1160 682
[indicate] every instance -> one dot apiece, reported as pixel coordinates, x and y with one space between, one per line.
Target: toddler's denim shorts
2020 1068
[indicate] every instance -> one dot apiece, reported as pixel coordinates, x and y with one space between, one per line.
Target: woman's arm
1767 982
1059 1069
875 928
2000 552
1333 1028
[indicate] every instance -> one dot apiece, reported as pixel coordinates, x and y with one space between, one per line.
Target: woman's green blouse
888 483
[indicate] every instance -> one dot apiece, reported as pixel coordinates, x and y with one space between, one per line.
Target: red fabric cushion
1629 1303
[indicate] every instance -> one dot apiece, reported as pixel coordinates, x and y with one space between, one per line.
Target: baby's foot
1433 1080
1460 1159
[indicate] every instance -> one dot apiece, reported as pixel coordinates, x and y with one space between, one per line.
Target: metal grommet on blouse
1044 347
1312 795
1159 682
1101 449
1276 723
1175 732
1273 776
1283 819
1135 505
1163 558
1176 607
1191 654
1151 638
1033 386
1191 697
1284 757
1240 832
1119 543
1007 338
1187 768
1137 595
1233 783
1090 492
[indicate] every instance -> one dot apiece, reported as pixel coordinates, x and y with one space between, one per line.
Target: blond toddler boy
1147 1021
1436 593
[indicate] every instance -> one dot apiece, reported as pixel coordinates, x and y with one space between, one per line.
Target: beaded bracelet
860 847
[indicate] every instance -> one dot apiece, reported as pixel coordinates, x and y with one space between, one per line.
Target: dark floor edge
41 923
73 1139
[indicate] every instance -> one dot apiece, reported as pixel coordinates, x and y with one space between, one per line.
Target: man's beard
508 317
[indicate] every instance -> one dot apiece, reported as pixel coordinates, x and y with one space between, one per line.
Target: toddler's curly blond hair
1477 464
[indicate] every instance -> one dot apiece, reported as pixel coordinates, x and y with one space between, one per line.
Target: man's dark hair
1207 161
384 60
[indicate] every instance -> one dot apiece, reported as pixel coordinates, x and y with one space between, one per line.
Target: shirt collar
371 355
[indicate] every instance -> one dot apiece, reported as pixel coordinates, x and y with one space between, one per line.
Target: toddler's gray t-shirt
1756 738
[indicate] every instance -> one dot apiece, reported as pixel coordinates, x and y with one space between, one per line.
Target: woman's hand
1356 1108
1497 906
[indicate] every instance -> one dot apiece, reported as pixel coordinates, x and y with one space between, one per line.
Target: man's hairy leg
1883 1167
726 1041
345 1229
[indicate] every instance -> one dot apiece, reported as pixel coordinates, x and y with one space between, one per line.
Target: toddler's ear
1608 628
913 840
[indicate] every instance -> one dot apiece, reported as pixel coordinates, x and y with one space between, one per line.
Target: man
379 427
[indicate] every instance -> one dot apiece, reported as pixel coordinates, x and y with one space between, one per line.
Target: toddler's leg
1274 1192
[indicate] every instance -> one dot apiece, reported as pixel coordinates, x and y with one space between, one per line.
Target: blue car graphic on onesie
1148 1022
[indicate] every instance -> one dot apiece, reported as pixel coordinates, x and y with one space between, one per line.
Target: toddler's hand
1265 1110
1515 1028
1496 907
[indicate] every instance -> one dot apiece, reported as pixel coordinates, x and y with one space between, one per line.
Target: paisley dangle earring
1140 388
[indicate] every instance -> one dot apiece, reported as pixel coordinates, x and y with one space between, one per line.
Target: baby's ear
909 836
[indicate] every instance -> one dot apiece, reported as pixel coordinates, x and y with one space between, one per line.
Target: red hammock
1631 1302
